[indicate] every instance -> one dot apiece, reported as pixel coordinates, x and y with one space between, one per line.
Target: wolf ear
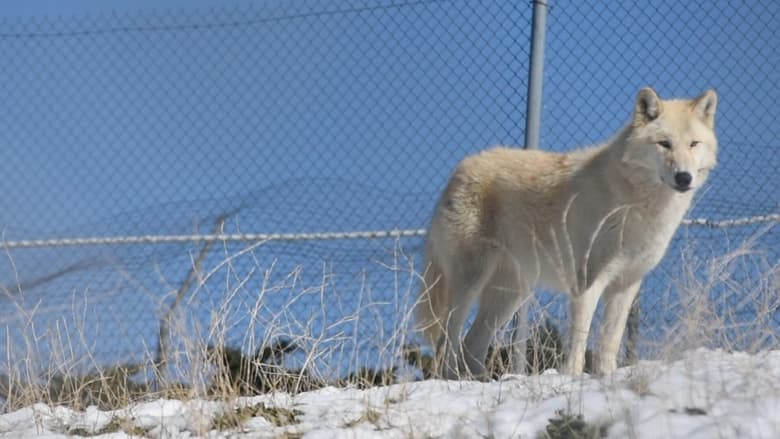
648 106
705 105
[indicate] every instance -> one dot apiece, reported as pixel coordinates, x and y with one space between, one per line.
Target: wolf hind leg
503 296
468 280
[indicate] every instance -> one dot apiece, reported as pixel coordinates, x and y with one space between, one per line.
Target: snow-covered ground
706 394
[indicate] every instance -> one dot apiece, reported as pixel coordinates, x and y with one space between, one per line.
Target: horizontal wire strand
317 236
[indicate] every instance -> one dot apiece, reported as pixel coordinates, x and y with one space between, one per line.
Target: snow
705 394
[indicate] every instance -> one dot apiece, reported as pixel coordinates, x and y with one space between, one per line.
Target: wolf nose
683 179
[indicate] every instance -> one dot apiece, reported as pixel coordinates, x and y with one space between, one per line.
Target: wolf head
672 142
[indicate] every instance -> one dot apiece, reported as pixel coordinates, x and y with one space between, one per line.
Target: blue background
135 118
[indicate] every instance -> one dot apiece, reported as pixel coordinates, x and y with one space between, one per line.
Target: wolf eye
694 143
666 144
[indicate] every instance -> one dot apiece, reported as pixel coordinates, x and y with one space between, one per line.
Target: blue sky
38 8
306 116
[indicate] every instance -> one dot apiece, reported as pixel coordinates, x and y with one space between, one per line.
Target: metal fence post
520 335
533 115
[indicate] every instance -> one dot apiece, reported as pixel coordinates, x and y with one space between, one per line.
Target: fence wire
315 119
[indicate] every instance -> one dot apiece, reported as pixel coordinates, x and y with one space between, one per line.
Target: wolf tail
433 301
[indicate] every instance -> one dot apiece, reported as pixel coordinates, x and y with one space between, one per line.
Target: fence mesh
333 116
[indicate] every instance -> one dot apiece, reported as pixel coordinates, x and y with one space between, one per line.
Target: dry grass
233 419
280 352
284 352
116 424
729 302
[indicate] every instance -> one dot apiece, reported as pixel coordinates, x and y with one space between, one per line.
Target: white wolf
590 223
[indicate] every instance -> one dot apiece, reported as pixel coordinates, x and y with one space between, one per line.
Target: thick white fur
590 223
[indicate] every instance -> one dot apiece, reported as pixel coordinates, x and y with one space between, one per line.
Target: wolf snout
683 180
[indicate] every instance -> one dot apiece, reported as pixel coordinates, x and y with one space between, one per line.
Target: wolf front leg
520 335
581 309
617 302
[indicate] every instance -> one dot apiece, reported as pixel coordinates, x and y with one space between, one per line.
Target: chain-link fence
260 126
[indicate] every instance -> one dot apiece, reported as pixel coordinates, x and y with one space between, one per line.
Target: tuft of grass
639 382
367 377
116 424
260 373
544 350
370 415
233 419
108 389
414 357
264 372
691 411
568 426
